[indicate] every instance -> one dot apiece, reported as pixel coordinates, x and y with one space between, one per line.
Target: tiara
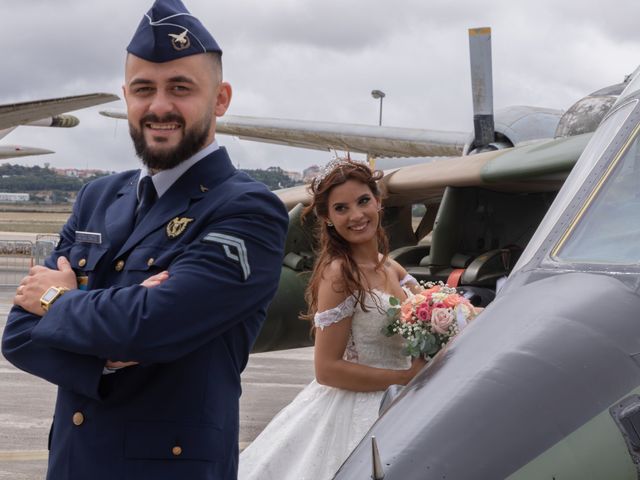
333 165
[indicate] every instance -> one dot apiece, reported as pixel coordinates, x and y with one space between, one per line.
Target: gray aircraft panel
548 369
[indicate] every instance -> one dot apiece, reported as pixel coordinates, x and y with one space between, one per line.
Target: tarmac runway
269 382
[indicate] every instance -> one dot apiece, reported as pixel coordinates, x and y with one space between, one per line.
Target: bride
348 295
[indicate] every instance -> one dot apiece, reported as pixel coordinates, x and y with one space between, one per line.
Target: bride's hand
416 365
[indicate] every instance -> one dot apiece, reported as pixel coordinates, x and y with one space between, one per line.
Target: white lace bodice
367 344
311 437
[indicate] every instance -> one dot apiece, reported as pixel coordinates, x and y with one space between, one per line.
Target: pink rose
423 312
441 319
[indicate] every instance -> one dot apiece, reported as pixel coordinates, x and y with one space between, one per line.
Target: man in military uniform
145 314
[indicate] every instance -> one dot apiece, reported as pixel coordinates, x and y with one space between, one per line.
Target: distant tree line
18 178
273 177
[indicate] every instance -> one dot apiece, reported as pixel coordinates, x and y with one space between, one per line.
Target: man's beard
192 142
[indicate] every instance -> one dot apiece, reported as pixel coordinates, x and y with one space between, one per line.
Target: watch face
49 294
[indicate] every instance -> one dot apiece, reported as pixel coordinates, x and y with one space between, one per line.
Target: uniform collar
192 186
163 180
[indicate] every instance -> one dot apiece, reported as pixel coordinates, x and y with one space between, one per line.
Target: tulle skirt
312 436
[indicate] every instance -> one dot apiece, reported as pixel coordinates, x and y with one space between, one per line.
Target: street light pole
378 94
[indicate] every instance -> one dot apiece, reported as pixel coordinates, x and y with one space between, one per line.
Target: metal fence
18 256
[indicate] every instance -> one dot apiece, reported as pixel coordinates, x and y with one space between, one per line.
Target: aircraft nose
523 392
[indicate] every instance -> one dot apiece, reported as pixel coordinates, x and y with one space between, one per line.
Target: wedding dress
311 437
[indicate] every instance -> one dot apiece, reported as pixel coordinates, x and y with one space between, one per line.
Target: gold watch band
50 296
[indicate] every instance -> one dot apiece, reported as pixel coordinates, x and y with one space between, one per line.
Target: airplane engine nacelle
58 121
519 124
64 121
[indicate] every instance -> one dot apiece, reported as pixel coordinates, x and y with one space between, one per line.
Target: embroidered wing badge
177 226
234 249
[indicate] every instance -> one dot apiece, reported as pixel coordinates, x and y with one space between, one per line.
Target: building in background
310 173
79 172
6 197
294 176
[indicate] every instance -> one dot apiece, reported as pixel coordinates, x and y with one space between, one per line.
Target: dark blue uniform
175 415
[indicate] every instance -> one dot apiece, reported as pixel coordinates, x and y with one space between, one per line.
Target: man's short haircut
216 60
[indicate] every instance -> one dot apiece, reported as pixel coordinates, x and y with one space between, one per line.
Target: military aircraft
510 126
546 382
482 204
43 113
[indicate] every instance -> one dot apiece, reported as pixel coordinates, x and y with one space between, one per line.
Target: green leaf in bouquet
394 302
431 345
410 351
392 312
422 344
435 349
387 330
414 342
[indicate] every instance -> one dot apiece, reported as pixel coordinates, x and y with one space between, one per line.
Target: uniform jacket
220 235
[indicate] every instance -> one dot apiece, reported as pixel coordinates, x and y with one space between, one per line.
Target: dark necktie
148 197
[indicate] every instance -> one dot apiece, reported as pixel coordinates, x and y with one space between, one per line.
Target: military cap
168 32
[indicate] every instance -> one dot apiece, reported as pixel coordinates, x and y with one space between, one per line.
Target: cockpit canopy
607 229
594 223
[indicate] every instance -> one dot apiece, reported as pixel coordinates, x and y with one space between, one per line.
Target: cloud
319 61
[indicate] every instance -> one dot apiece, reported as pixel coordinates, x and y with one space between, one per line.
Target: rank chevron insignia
176 227
228 243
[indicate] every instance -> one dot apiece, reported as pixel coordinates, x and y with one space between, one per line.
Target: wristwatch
50 296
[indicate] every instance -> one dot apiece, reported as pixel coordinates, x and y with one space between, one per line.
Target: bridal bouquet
429 320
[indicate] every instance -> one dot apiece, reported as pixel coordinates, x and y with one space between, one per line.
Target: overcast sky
317 60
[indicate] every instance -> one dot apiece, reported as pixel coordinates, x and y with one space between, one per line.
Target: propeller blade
482 86
377 473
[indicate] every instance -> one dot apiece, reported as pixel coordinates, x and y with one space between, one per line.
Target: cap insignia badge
180 42
177 226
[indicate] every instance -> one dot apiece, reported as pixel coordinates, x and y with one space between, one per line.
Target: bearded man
145 313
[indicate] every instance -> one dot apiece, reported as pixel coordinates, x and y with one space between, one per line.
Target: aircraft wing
373 140
538 166
23 113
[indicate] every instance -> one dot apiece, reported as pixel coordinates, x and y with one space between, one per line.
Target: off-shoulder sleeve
335 314
408 279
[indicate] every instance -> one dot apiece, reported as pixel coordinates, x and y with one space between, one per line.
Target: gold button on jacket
119 265
78 419
82 262
176 450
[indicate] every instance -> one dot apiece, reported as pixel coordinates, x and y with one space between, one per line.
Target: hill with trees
45 184
272 177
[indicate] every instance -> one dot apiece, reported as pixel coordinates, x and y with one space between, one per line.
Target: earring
329 224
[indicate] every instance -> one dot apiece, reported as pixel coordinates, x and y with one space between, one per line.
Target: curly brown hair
331 245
